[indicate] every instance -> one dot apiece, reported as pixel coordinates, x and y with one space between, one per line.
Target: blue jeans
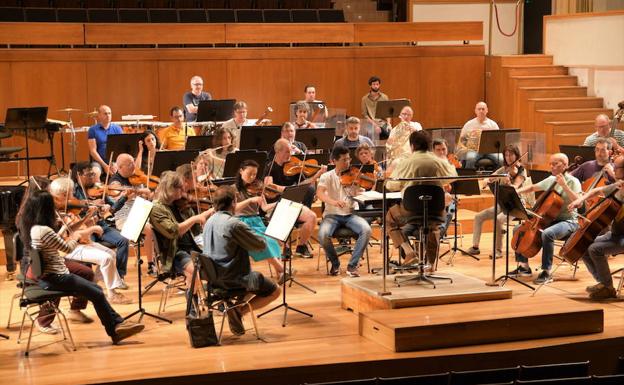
114 237
595 257
357 224
559 230
72 283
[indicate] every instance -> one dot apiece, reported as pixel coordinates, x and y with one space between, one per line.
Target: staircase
531 93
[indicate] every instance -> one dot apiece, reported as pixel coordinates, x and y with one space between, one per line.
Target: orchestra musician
275 175
398 144
369 107
302 111
421 163
37 226
470 135
610 243
591 168
148 146
174 136
309 98
365 155
338 212
569 188
222 142
352 137
228 242
239 120
289 133
97 137
440 149
191 98
517 176
603 130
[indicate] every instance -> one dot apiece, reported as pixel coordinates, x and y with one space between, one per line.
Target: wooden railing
237 33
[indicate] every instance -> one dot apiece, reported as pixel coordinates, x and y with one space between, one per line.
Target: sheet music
137 217
283 220
372 195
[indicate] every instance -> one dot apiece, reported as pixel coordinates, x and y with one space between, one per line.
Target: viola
296 166
97 191
140 178
355 177
452 158
269 191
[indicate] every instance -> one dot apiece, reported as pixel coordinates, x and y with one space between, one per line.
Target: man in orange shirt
173 137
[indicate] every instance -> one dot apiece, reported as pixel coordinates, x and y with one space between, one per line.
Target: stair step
544 81
573 114
526 59
566 102
554 92
524 70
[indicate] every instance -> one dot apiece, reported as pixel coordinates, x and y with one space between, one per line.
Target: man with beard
369 106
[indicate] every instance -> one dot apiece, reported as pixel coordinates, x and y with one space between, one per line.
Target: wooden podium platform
516 319
362 294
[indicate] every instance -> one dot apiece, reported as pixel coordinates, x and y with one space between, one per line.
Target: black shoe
303 251
543 277
335 270
521 271
151 270
235 322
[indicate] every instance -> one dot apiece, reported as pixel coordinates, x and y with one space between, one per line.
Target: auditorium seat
221 16
565 370
304 15
276 16
72 15
240 4
41 15
35 3
185 4
213 4
268 4
69 4
331 16
102 15
614 379
98 4
294 4
128 4
319 4
11 14
424 379
484 376
249 15
163 15
156 4
192 15
133 15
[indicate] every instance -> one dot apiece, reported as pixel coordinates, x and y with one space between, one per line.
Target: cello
527 240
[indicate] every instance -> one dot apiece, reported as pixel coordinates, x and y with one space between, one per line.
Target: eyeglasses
198 84
89 174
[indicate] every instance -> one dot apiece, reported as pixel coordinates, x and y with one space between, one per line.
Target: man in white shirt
468 146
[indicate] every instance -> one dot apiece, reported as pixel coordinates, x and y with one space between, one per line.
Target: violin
269 191
140 178
97 191
355 177
296 166
452 159
262 120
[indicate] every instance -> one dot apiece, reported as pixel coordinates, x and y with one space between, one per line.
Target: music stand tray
259 137
122 144
170 160
493 141
215 110
390 108
317 138
198 143
585 152
295 193
234 159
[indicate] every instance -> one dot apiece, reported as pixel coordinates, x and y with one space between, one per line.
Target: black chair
485 376
425 379
192 15
72 15
221 16
332 16
103 15
568 369
344 236
218 297
41 15
614 379
426 203
558 381
133 15
276 16
163 15
34 297
11 14
249 16
304 15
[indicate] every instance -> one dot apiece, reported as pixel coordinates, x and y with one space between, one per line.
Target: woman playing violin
248 211
223 145
517 176
148 146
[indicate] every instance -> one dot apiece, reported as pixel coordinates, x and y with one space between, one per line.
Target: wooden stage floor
325 347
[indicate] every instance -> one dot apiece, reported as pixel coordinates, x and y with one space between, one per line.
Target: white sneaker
52 329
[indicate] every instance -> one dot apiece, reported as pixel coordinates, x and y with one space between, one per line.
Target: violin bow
302 167
195 186
105 189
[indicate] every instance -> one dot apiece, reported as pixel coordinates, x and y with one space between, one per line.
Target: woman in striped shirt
37 224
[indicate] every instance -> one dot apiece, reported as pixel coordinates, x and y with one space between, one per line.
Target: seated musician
228 242
369 107
222 142
192 194
97 137
172 227
235 124
421 163
148 146
517 176
62 190
309 98
275 175
250 200
470 135
603 130
398 145
338 212
37 226
84 179
440 149
289 133
365 155
596 257
174 136
352 137
565 224
302 111
191 98
592 168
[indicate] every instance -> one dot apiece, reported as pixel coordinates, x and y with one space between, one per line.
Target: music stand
170 160
464 187
259 137
280 228
199 143
390 108
27 119
318 138
122 144
493 141
132 229
511 205
538 175
585 152
215 110
233 161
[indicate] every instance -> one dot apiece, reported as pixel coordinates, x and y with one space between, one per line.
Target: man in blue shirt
97 137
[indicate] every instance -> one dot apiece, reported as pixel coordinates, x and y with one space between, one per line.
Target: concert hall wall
443 83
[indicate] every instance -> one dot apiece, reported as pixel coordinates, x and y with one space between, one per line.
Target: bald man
602 124
565 224
468 147
98 136
191 99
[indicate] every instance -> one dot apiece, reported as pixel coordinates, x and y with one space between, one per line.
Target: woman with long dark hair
37 226
148 146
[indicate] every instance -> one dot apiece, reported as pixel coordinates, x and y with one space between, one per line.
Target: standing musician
289 133
302 111
517 176
148 146
352 137
610 243
275 175
239 120
97 137
310 99
191 98
338 212
222 142
369 107
592 168
470 135
398 144
174 136
564 224
421 163
603 130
